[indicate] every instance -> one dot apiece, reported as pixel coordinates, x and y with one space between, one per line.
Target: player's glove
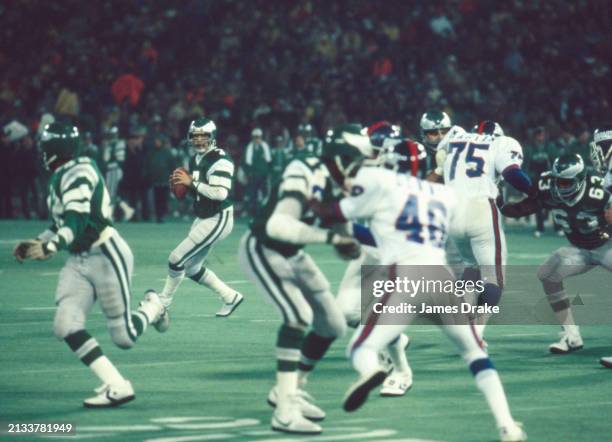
347 247
34 249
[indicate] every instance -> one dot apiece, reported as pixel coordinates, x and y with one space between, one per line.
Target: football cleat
151 306
163 323
303 401
288 419
512 433
396 384
229 307
568 343
606 361
111 396
358 393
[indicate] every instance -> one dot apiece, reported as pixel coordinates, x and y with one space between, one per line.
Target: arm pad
329 213
285 225
518 179
363 235
212 192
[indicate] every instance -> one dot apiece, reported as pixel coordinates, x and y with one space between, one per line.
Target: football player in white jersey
473 166
382 136
409 220
601 153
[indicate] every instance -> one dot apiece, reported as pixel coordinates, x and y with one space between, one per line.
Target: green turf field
207 378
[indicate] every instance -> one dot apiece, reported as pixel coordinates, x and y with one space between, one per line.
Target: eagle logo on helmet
434 125
202 135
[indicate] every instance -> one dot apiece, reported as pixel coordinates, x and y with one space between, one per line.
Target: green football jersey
304 178
79 205
214 168
583 223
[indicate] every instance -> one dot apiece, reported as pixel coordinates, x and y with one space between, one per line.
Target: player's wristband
49 247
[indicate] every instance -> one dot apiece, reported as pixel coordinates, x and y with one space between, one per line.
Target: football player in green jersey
434 124
272 255
99 266
580 204
209 179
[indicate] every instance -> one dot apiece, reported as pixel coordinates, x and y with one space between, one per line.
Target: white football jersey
474 162
408 217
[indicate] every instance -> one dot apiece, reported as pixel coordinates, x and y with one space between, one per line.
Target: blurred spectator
134 184
280 159
25 171
12 133
308 61
112 163
67 104
90 149
582 144
159 164
256 167
539 155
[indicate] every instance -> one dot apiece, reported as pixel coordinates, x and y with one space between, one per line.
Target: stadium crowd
148 68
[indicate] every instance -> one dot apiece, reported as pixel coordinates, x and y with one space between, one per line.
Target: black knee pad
198 275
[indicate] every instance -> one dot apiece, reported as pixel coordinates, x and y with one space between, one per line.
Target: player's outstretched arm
285 225
524 207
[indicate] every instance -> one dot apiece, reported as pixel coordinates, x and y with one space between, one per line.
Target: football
179 190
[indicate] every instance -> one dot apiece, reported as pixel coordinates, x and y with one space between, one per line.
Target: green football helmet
59 142
569 178
434 125
202 135
344 149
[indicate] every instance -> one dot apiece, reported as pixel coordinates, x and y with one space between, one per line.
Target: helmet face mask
202 135
569 179
382 134
601 149
343 153
403 157
434 126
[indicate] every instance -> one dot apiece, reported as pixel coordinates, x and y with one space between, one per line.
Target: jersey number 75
475 163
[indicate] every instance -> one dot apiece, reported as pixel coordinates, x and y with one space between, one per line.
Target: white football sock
365 361
287 384
212 281
489 383
398 357
172 283
106 371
